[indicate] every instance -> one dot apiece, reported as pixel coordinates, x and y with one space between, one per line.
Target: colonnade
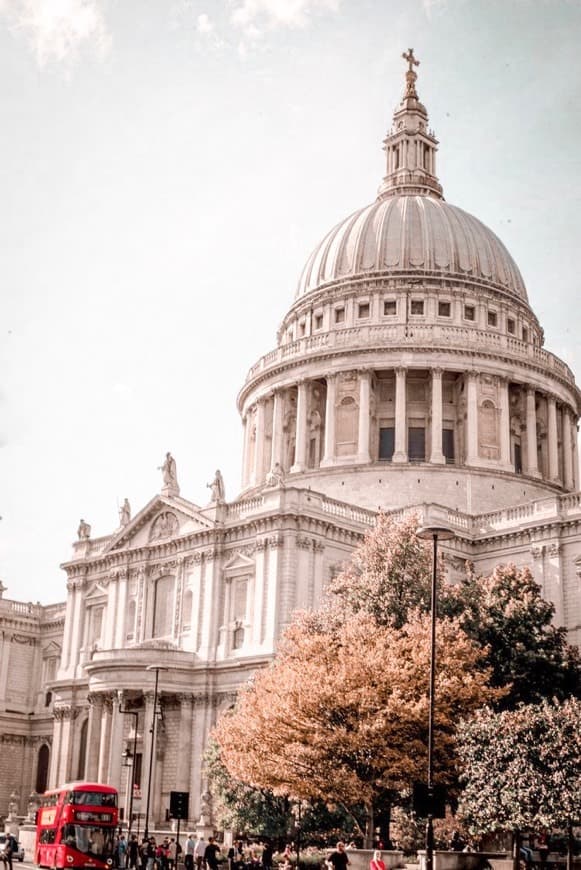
263 450
90 744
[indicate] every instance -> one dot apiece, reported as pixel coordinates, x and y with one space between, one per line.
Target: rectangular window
339 315
469 312
492 318
525 334
448 445
364 309
444 309
386 443
389 306
517 459
417 306
416 444
510 326
302 328
318 321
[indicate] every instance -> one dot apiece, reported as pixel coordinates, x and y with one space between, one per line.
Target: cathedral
409 374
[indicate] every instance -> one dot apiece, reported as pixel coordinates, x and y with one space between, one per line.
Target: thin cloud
254 17
58 30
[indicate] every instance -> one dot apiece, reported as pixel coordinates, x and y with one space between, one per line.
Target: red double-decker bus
75 826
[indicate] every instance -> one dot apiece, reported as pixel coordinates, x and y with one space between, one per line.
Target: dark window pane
386 442
448 445
416 444
517 459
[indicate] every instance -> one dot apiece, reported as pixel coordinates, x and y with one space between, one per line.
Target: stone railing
348 511
400 334
20 609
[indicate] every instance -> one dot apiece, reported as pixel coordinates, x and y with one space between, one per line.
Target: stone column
505 457
400 447
472 418
277 424
184 750
245 442
93 736
69 621
364 409
553 439
567 450
301 431
437 457
78 624
121 628
111 614
259 444
329 457
105 742
577 484
115 766
532 455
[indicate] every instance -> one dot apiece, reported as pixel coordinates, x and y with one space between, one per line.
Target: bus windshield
92 798
96 841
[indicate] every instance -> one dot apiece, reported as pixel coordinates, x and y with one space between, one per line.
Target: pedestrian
10 849
200 853
172 851
339 859
211 854
189 852
150 851
267 856
132 852
377 862
121 850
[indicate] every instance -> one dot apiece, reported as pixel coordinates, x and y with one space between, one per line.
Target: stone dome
406 234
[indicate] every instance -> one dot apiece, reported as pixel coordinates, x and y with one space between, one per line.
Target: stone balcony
434 336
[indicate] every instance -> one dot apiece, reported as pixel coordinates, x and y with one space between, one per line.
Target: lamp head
429 533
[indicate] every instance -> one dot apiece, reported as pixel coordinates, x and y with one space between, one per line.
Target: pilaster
532 453
364 410
567 450
552 438
437 456
329 457
301 430
471 418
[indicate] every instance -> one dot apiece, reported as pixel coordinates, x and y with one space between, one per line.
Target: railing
348 512
436 335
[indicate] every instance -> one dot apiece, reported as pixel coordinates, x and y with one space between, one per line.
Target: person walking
377 862
132 852
190 846
339 859
211 854
200 853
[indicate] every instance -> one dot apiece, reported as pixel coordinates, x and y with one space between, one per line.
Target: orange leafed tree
341 715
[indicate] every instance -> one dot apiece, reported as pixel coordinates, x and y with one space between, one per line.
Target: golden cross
409 56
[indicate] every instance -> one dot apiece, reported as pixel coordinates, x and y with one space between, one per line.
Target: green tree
507 616
521 767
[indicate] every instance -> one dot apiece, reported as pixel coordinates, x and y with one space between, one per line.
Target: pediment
51 649
95 593
239 562
163 518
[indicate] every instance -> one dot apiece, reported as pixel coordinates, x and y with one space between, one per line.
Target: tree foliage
389 575
341 715
506 614
258 812
521 767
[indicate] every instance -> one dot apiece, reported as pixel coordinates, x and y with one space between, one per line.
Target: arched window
82 750
42 769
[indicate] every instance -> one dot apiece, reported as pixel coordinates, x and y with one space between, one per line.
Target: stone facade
409 374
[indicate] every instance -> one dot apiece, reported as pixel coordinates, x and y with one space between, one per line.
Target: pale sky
166 167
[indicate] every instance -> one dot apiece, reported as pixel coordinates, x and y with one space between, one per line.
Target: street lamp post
433 533
127 755
153 733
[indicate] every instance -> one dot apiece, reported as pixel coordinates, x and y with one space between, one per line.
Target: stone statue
206 808
168 470
125 513
217 487
275 476
13 806
84 531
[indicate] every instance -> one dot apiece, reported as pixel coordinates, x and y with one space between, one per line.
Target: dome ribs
416 232
389 253
441 235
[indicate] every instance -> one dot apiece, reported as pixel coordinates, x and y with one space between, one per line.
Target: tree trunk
569 846
516 840
369 827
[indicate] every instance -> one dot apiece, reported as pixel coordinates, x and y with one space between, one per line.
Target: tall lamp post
153 733
434 533
127 756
